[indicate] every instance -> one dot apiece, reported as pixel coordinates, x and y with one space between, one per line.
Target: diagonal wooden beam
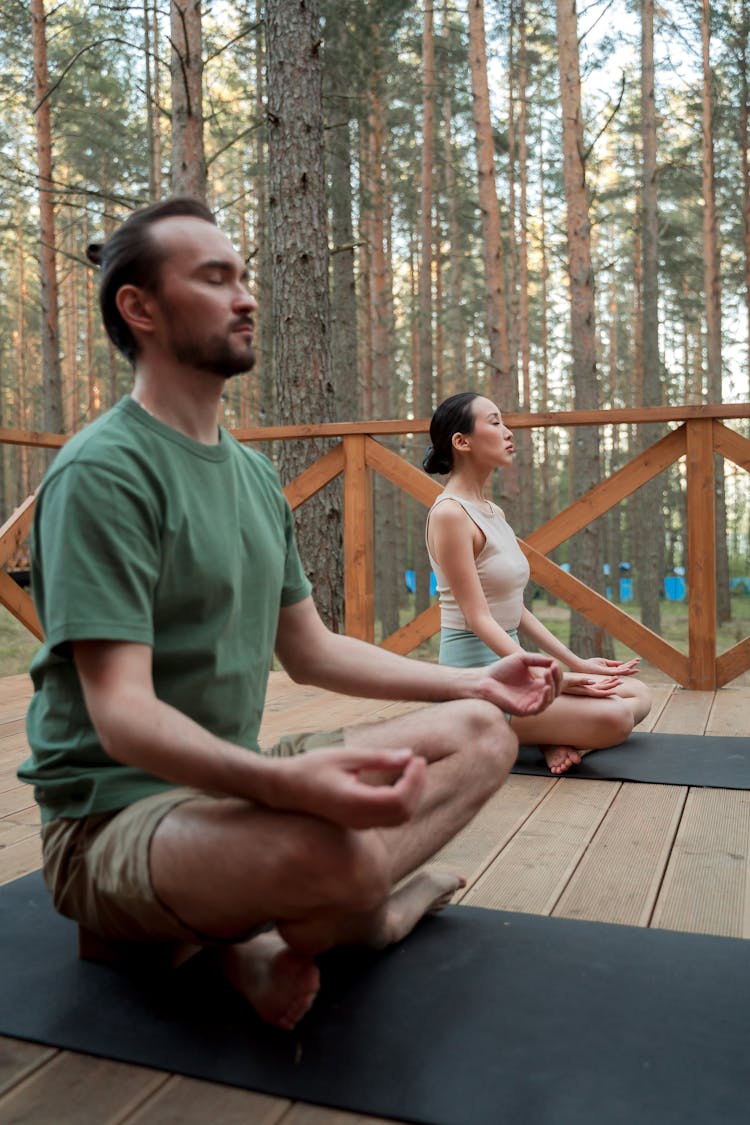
609 492
20 604
401 473
603 613
731 445
410 636
733 662
16 528
315 476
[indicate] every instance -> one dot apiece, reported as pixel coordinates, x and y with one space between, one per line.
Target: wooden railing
700 433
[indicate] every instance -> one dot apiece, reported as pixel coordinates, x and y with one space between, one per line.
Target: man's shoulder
98 441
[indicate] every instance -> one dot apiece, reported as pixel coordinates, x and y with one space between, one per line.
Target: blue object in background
626 589
410 580
675 588
739 585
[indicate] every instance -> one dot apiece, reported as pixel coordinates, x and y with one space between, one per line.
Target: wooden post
701 569
359 584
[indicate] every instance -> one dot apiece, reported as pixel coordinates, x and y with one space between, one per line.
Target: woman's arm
540 635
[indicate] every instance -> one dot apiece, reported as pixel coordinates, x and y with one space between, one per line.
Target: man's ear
135 307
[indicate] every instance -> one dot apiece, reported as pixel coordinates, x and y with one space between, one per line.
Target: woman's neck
469 486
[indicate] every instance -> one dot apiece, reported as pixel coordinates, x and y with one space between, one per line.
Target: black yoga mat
666 759
478 1018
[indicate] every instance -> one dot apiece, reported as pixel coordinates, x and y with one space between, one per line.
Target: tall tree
712 283
51 368
426 362
299 251
492 246
586 638
188 156
649 548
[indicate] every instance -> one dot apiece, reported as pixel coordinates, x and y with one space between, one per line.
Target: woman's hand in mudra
599 666
577 683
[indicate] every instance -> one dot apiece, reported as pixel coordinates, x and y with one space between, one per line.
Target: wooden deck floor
643 855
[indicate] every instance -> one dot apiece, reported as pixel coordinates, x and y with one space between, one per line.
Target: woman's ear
460 442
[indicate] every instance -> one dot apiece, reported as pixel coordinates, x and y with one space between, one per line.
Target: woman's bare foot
279 983
561 758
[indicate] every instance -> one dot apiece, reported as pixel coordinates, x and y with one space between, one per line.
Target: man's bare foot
561 758
279 983
427 892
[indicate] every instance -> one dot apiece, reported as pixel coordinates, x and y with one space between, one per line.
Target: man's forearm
148 734
353 667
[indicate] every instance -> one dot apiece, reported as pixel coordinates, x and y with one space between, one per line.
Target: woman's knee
618 723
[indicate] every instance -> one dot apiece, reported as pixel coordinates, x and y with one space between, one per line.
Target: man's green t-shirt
142 534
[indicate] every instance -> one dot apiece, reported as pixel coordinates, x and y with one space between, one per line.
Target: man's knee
494 746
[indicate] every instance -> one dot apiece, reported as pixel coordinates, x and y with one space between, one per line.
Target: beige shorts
97 867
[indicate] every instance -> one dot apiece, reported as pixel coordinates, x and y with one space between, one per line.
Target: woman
481 573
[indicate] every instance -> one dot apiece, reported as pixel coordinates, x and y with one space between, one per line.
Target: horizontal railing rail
700 433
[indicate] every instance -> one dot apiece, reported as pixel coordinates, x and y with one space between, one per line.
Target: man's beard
215 355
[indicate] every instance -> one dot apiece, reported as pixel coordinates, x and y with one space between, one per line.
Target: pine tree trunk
425 403
51 368
650 499
299 251
188 157
744 140
712 281
526 492
344 293
586 639
264 366
497 317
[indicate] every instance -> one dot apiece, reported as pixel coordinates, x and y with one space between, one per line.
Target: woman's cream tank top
501 565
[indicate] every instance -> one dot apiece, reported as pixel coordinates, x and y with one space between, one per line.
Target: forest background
548 206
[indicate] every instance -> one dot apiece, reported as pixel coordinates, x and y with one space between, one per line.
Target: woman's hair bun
433 463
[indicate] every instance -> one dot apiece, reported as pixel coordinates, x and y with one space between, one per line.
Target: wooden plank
733 662
473 849
562 418
16 436
401 473
191 1101
18 602
531 873
359 581
705 888
18 1060
660 697
619 877
686 713
315 477
410 636
731 445
730 714
609 492
20 859
16 528
701 570
81 1089
595 607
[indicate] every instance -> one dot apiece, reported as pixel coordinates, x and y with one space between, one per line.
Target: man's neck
185 400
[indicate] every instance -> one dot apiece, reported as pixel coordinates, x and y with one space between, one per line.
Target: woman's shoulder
449 509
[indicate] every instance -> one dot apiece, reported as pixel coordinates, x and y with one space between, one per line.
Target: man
165 572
